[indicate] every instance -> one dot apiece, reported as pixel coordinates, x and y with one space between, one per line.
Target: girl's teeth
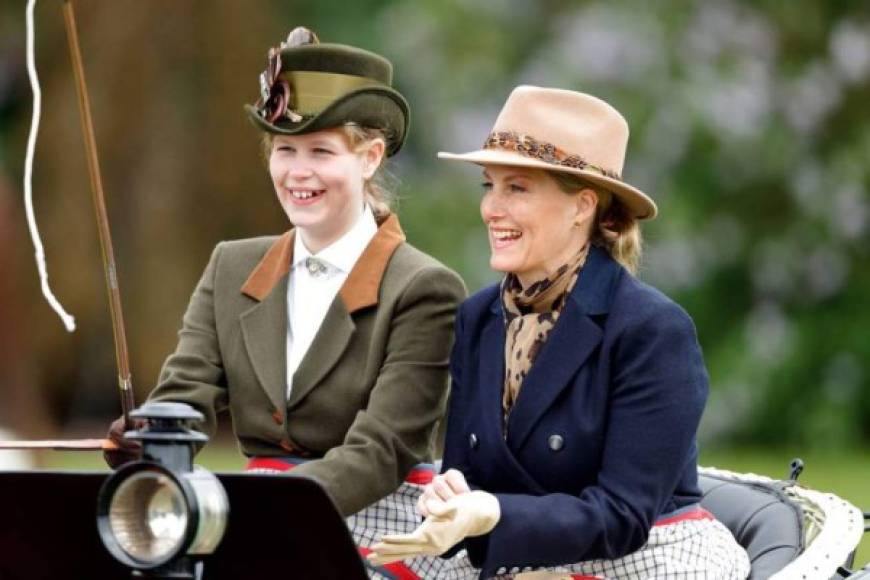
302 194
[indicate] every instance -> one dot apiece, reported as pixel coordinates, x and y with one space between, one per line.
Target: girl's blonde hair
377 194
613 229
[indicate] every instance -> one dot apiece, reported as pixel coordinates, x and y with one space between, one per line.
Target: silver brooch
315 267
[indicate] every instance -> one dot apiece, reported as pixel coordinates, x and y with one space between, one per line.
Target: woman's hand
442 488
464 515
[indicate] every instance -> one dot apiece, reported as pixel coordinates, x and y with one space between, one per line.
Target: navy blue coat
601 441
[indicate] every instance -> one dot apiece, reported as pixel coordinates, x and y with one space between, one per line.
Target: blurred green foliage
750 127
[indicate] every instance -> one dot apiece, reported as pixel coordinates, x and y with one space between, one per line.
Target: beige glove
449 522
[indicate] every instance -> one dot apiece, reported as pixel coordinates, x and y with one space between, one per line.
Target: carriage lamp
158 515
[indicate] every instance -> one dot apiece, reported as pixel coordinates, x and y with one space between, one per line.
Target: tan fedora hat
567 131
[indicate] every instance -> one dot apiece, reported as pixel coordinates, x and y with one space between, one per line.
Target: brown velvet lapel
274 265
360 290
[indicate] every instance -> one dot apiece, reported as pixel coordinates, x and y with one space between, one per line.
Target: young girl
329 344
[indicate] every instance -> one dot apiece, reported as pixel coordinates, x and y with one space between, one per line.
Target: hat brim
640 205
376 107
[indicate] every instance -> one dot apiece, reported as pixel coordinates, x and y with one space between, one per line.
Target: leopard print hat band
528 146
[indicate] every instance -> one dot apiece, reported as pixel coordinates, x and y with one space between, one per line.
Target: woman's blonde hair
613 229
377 193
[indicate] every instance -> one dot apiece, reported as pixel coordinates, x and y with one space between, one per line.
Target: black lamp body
167 449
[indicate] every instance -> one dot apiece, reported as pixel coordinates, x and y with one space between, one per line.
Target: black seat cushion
763 520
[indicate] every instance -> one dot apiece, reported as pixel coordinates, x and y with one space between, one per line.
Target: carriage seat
762 519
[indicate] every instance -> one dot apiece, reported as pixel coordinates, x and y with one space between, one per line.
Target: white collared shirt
310 293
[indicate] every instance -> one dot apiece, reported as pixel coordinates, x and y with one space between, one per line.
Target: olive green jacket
373 385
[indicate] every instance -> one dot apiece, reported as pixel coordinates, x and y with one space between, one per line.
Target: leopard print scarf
530 315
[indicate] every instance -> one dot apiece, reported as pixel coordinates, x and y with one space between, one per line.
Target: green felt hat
308 86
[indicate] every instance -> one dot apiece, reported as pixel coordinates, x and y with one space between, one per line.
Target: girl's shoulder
241 257
411 266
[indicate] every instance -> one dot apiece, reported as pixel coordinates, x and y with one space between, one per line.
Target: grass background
844 473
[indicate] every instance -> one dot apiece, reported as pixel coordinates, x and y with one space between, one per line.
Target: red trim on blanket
396 570
268 463
418 475
695 514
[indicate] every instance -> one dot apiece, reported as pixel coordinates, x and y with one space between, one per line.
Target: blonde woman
577 389
328 344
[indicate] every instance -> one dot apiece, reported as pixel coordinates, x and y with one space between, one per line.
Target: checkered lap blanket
689 546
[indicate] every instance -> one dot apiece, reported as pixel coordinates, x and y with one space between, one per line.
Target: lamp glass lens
148 516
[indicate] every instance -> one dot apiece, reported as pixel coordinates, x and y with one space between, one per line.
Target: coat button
556 442
472 441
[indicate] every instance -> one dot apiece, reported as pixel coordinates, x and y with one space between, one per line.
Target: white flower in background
724 28
610 44
810 98
737 103
849 213
683 261
666 137
775 269
850 51
729 53
809 185
768 333
467 128
672 265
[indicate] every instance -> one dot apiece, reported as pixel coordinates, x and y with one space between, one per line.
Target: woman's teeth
305 193
506 234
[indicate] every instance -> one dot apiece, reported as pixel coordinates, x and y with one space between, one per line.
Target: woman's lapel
573 339
504 467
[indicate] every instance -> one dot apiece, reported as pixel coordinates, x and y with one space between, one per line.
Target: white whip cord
68 321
